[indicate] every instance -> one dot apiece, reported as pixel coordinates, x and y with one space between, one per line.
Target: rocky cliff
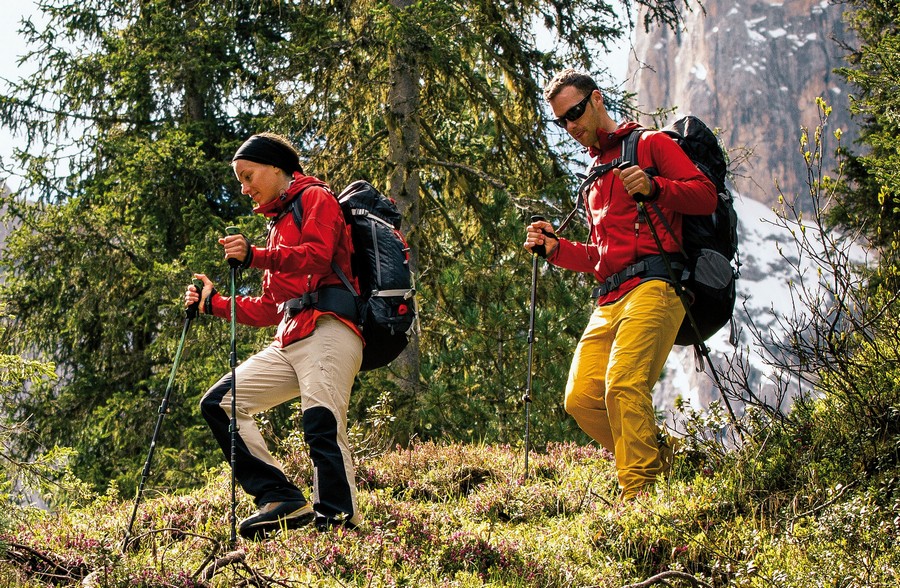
753 69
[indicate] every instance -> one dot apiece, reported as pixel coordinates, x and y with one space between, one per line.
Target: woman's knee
211 402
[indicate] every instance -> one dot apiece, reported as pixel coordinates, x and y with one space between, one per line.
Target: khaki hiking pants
319 369
617 362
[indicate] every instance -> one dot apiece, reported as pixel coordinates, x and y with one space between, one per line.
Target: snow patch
763 290
699 71
755 36
777 33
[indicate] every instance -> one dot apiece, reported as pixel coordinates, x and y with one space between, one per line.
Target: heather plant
561 528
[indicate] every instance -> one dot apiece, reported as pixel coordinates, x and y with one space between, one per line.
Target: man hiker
636 313
317 349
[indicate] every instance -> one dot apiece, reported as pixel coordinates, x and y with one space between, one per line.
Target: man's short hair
569 77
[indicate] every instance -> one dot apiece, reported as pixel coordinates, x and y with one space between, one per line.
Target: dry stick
58 570
661 579
228 559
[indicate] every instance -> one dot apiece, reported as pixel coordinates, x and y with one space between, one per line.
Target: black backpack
386 309
710 242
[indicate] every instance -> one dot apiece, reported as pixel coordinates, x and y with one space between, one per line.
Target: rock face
753 69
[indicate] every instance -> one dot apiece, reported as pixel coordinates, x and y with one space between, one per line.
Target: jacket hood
607 140
280 204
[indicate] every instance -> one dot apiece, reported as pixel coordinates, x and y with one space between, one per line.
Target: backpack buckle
292 307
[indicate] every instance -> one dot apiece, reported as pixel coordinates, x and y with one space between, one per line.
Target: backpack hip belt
327 299
652 266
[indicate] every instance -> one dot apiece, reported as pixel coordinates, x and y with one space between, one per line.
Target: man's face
570 101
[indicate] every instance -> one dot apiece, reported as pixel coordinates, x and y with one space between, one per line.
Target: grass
462 515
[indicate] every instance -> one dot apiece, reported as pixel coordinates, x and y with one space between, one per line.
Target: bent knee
211 402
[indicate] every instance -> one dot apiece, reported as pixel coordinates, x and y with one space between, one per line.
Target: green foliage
431 521
871 197
46 477
105 229
130 121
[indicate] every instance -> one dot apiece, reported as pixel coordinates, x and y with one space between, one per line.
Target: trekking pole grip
232 230
194 308
541 250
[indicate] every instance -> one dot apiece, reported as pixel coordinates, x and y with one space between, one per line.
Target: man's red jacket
295 261
618 238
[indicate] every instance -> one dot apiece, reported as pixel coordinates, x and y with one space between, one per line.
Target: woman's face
261 182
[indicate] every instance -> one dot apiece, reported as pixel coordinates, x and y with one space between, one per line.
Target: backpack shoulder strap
630 146
297 213
629 153
297 209
296 205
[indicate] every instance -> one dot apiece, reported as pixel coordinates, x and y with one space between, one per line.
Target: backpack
385 306
710 242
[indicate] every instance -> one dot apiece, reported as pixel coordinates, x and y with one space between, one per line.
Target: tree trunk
404 146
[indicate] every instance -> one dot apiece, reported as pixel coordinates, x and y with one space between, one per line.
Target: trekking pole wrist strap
207 304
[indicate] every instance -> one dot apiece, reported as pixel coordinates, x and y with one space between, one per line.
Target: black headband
269 152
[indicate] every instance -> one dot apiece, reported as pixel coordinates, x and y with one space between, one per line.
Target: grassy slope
460 515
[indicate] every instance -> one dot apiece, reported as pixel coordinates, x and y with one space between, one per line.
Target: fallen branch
661 579
228 559
47 567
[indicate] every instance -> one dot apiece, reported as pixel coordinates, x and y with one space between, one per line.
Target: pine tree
132 119
871 200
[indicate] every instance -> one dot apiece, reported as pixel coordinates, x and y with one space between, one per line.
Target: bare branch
661 579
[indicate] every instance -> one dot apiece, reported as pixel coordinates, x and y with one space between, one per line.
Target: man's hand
540 233
236 247
637 182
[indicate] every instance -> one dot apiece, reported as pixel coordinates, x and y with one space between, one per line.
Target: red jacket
617 238
295 261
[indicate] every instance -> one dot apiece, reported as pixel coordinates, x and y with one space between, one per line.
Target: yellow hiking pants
617 362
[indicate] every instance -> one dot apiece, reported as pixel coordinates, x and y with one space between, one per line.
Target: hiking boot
274 516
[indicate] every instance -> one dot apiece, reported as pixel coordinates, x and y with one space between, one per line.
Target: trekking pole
234 265
700 346
537 250
189 314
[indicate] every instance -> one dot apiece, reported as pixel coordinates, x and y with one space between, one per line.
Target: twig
661 579
32 560
228 559
825 504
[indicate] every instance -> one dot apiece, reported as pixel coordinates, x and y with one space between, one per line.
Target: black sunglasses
573 113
